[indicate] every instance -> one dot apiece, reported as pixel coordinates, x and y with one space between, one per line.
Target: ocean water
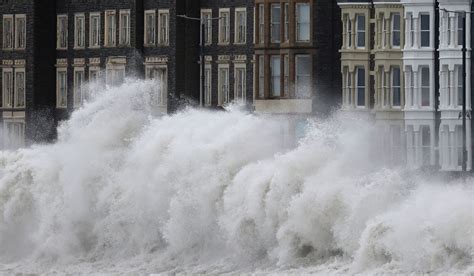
125 192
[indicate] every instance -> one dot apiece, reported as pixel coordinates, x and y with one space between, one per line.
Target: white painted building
451 81
419 70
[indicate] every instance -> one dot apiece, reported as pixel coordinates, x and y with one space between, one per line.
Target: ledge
284 106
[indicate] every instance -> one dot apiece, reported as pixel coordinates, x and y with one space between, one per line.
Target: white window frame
8 42
298 24
160 92
243 83
60 35
91 30
20 35
7 88
79 87
206 15
79 41
224 30
150 31
110 29
163 31
58 88
223 88
16 93
240 33
124 30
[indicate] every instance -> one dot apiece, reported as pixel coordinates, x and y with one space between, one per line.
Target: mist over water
122 191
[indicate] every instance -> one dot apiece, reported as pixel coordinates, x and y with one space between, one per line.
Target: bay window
396 87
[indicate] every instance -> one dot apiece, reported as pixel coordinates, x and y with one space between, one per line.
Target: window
425 86
110 28
206 16
7 31
124 33
223 82
459 146
286 75
360 25
287 22
349 32
208 84
261 23
396 30
61 88
224 26
303 76
347 85
94 30
19 100
460 30
425 30
426 144
14 134
360 86
275 23
240 83
396 87
384 32
275 75
261 77
94 74
460 79
115 75
240 25
62 32
7 88
449 28
20 31
302 22
411 30
163 22
150 28
160 75
78 86
79 33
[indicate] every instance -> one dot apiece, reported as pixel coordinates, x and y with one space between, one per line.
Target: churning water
213 192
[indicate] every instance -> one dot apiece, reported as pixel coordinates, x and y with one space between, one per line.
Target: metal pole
464 140
203 64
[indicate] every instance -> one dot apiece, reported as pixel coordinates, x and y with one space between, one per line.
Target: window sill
79 48
61 49
94 47
223 44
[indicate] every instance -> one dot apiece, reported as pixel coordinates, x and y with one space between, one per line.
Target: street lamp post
463 114
202 54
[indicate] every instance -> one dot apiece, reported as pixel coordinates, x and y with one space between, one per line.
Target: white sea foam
213 192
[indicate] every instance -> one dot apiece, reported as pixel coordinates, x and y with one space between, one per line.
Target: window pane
396 87
460 29
275 23
303 22
425 30
425 86
360 87
275 67
396 30
303 76
360 31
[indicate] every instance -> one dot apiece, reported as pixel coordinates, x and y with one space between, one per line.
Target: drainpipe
436 87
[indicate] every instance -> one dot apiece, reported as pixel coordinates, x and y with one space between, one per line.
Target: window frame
297 23
237 26
78 87
394 31
5 46
274 78
8 91
308 75
15 89
223 95
358 86
360 31
91 30
241 66
110 29
424 31
207 13
17 32
59 96
146 36
125 37
78 16
425 87
60 35
224 30
261 77
163 40
261 24
394 86
274 24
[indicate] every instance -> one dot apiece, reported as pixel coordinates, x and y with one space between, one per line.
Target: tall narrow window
94 74
360 25
348 81
61 84
208 85
206 16
223 79
78 86
20 31
460 92
115 74
396 87
460 30
412 30
164 21
224 26
275 23
425 30
62 32
360 86
261 23
19 100
384 32
286 75
240 25
94 30
426 144
449 29
110 28
150 28
79 32
425 86
7 88
261 77
275 67
349 32
396 27
303 22
287 22
303 76
124 34
458 133
7 31
240 84
160 75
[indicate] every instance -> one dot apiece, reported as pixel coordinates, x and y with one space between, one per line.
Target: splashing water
213 192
